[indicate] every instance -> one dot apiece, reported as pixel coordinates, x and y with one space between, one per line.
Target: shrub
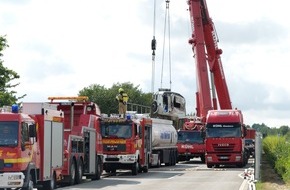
277 151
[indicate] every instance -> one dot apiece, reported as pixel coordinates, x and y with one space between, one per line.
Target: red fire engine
124 144
50 143
250 141
138 142
29 147
191 140
83 150
225 148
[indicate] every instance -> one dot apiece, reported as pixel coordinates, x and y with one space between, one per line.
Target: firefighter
122 98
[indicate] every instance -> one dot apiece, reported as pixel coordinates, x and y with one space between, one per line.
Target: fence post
258 155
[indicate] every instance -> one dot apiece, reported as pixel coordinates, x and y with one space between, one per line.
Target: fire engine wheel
145 169
98 173
79 172
209 165
72 173
202 159
51 184
158 161
29 185
135 168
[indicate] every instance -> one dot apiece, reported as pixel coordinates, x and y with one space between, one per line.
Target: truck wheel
209 165
145 169
50 184
158 162
202 158
29 185
135 168
154 107
72 173
98 170
79 172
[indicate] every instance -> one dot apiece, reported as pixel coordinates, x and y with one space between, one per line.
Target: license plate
112 156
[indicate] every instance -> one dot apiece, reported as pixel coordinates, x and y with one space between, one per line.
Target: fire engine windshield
223 130
117 130
190 137
8 133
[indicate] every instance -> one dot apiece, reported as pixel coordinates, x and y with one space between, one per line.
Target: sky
59 47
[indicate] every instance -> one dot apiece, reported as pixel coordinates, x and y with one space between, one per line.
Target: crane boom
225 130
207 57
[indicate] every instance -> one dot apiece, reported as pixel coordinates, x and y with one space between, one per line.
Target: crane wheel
154 107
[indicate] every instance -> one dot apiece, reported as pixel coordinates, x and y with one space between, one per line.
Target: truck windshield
190 137
8 133
117 130
223 130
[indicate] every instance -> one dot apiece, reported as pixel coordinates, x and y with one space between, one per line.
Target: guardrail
138 108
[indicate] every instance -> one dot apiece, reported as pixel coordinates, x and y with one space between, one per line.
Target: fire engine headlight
130 158
14 177
238 158
209 158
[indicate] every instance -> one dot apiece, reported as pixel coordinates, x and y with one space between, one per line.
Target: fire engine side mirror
140 131
32 134
244 130
32 130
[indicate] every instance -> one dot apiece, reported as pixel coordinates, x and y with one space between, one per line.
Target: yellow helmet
121 90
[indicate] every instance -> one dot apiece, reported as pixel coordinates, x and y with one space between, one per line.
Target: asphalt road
184 175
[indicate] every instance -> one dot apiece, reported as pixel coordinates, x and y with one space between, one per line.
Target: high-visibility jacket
122 97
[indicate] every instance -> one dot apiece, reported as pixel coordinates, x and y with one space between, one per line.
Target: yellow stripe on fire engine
114 141
17 160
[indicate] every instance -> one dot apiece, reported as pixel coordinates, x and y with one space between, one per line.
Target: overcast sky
58 47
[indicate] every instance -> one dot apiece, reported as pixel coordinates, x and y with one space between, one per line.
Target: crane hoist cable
166 24
153 48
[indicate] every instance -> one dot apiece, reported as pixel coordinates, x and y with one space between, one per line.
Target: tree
106 97
7 96
283 130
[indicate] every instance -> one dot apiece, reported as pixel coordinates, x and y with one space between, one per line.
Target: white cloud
59 47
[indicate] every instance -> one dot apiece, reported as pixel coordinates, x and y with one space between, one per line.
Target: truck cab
126 143
225 143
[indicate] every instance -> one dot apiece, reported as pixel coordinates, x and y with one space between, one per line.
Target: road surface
185 175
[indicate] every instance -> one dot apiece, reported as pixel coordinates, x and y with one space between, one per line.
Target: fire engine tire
72 174
98 166
202 158
79 172
209 165
145 169
29 185
154 107
174 158
135 168
158 161
51 184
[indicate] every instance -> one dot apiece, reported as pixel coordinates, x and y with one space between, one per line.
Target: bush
277 151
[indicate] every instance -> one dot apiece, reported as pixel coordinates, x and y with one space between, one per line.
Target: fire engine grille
223 147
112 159
114 147
1 164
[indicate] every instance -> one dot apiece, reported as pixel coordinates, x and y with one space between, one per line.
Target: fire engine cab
30 154
126 143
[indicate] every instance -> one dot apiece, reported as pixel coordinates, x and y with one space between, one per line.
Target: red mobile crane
225 130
